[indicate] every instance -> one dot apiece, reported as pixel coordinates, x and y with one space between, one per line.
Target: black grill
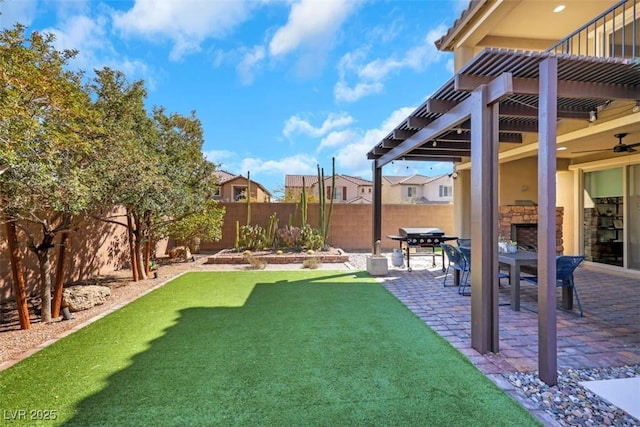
423 240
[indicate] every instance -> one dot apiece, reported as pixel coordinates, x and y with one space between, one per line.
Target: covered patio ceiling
585 84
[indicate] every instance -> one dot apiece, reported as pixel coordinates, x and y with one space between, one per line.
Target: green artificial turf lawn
256 348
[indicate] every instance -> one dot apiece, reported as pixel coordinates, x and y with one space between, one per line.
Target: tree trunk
147 257
138 251
132 249
60 270
18 276
45 279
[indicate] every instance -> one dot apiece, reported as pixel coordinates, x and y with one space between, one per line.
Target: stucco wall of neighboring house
351 225
432 189
227 190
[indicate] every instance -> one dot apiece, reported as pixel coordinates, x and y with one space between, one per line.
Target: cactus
325 231
248 197
272 227
303 204
237 235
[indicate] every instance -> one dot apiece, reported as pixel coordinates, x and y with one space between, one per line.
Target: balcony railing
615 33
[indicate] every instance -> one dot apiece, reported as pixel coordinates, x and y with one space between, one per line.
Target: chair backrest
466 253
454 254
463 242
565 266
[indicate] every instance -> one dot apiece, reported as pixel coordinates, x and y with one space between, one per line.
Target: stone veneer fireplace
520 223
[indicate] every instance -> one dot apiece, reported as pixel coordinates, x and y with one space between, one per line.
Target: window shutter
328 195
344 193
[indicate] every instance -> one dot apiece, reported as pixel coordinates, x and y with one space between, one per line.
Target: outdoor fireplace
520 223
526 235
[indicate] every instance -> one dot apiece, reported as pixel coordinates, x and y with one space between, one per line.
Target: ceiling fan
620 147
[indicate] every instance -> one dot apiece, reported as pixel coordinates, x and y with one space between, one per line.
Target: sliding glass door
604 216
633 221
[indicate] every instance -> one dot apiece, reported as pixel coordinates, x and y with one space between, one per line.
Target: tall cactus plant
248 197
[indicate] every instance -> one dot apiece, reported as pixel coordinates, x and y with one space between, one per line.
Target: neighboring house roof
359 200
292 181
225 177
416 179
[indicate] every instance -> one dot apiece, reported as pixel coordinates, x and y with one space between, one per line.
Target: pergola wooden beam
566 89
497 89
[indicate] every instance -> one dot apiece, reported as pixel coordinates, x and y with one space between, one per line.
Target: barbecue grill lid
409 231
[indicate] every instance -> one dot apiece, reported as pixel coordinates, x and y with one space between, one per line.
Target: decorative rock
180 252
78 298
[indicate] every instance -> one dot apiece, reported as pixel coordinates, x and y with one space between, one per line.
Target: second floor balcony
614 33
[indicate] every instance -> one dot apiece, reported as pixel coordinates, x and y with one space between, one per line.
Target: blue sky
280 86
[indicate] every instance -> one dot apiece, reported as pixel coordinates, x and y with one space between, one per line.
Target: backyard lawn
256 348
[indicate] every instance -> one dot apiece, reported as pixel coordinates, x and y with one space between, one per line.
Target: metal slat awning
584 84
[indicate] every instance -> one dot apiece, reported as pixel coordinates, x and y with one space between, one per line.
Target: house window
445 191
369 191
217 192
239 193
412 191
337 193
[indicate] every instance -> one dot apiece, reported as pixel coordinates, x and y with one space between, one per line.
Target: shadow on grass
314 351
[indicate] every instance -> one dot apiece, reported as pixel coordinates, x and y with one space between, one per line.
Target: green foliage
254 237
310 238
204 224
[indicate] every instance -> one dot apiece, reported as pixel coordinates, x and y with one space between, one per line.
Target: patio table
515 261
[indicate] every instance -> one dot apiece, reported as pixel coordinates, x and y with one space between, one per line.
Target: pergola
496 98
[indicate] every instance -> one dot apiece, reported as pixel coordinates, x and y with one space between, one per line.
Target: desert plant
310 238
254 262
288 236
311 263
253 237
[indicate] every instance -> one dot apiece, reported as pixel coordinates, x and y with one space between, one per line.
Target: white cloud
219 157
95 50
369 77
250 62
295 124
14 11
353 156
186 24
338 138
299 164
311 22
342 92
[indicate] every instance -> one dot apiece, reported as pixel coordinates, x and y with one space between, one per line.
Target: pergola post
547 118
484 209
377 204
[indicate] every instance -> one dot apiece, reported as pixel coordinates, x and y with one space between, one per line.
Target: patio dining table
515 261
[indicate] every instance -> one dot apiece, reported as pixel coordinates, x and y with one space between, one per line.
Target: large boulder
180 253
78 298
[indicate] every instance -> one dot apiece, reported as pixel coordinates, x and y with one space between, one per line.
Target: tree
46 125
128 164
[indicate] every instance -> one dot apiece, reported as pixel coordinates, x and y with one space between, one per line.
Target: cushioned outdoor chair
565 267
456 262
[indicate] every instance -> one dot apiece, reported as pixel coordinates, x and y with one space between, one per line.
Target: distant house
417 189
347 189
233 188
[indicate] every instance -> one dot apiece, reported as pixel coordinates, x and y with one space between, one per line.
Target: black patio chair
565 267
456 261
466 253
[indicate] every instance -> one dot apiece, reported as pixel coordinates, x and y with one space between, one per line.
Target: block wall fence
98 248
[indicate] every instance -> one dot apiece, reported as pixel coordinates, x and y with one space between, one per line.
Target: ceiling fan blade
592 151
637 144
